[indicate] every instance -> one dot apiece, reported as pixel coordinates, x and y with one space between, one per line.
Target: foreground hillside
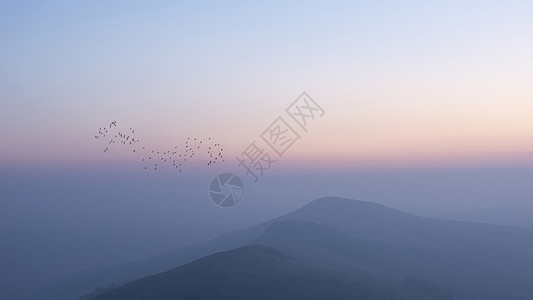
256 272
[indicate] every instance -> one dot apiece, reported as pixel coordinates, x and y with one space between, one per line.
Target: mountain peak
338 209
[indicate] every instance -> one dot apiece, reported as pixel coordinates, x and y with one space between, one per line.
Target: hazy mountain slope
254 272
334 248
376 222
490 247
30 257
81 283
512 216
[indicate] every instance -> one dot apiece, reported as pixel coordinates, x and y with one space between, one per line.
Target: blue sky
68 66
405 85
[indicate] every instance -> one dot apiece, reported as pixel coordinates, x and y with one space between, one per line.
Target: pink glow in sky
457 89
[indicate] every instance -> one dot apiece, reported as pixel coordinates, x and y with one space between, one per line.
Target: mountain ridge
254 272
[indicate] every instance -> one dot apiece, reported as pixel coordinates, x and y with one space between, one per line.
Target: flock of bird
175 157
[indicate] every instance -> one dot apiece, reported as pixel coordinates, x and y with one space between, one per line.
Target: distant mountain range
511 216
364 250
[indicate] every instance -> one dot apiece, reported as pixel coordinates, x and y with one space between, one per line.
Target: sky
440 91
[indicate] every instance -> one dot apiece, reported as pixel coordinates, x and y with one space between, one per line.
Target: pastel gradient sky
402 82
428 109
